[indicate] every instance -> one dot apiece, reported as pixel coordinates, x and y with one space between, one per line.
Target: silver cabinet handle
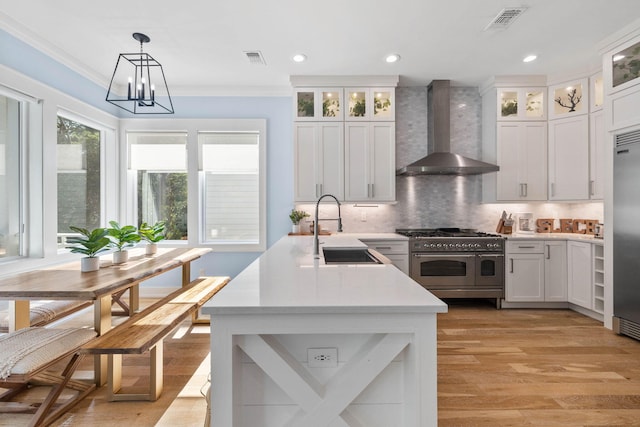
373 192
553 189
378 248
591 187
548 250
511 265
526 247
526 190
521 194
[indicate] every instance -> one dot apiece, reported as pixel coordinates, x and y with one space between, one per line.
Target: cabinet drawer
387 247
525 247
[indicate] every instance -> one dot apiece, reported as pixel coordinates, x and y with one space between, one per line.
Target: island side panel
410 378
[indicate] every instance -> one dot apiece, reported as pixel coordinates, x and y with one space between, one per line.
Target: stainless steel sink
349 256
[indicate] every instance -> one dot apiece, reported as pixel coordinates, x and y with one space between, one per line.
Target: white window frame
105 135
195 217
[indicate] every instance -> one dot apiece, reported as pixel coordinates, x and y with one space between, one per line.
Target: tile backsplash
431 201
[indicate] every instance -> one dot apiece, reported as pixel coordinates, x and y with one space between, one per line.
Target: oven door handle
490 255
444 254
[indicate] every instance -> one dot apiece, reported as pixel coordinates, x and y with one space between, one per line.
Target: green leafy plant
330 107
380 105
509 108
297 216
152 233
122 237
358 109
91 243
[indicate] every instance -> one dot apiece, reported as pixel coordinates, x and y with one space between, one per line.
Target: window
159 162
206 178
79 174
230 164
10 177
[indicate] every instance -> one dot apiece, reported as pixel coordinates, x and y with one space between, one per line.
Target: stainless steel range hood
442 161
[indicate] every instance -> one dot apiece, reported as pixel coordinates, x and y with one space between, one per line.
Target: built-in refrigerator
626 235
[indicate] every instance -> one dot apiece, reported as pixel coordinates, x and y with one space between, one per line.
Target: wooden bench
25 356
146 330
44 312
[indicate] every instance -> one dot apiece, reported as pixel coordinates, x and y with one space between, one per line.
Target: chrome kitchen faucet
316 226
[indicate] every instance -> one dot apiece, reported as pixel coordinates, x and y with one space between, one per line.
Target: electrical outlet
322 357
363 216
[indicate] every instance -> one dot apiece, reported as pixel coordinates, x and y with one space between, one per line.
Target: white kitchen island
277 327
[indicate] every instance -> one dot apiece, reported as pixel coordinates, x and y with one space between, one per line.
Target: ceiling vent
255 57
505 18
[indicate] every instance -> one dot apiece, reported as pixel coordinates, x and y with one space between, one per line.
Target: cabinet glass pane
382 104
508 104
535 104
305 104
598 92
568 99
330 104
357 103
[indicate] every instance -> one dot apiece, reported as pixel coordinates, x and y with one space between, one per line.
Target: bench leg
155 376
44 415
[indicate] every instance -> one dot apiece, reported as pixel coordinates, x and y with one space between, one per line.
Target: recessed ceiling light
392 58
529 58
299 57
617 57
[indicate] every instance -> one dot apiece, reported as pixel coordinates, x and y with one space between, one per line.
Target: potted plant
297 216
90 244
122 238
152 234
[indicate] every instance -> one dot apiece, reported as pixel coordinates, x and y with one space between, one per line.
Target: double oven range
457 263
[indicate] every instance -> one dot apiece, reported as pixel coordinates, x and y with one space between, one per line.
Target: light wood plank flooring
495 368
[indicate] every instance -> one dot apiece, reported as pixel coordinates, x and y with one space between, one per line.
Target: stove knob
432 245
458 245
477 245
464 245
439 245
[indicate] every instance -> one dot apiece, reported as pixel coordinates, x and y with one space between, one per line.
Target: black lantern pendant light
138 84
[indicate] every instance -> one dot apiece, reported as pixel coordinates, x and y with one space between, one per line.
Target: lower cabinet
396 250
580 274
536 271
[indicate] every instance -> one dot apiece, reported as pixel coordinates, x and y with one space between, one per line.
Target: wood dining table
102 287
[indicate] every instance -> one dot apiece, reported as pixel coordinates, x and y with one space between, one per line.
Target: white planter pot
120 257
295 228
151 249
89 264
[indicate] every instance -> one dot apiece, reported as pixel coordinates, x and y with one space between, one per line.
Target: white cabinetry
370 161
569 158
555 270
536 271
522 157
319 160
580 274
597 250
313 104
370 104
522 103
597 142
344 138
396 250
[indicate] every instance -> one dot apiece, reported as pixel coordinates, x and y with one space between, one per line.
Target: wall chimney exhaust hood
442 161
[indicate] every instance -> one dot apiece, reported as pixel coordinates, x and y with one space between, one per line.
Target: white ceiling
201 43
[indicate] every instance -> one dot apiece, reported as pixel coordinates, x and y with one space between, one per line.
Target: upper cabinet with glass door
370 104
312 104
522 104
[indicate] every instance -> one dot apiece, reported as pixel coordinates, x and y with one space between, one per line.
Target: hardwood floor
534 368
495 368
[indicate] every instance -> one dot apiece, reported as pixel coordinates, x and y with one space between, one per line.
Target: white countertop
287 279
554 236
